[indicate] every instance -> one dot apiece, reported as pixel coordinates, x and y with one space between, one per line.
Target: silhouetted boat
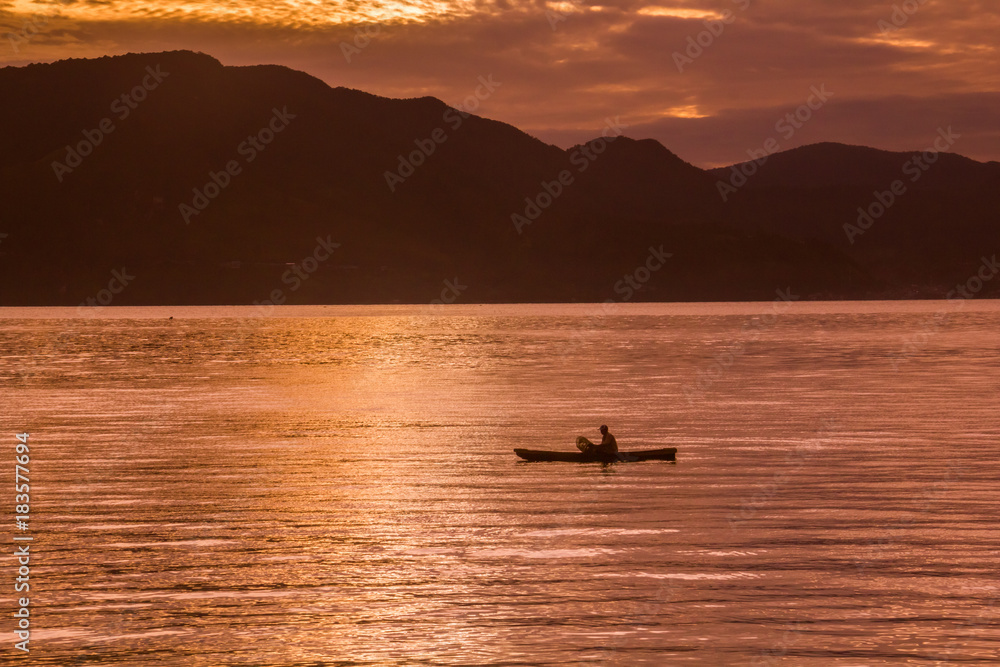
668 454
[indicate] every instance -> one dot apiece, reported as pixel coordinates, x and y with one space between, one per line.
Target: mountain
918 219
828 165
213 184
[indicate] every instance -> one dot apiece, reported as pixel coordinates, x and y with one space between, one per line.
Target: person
608 443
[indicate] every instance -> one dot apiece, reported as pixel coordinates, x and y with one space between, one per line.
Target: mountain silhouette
210 184
935 229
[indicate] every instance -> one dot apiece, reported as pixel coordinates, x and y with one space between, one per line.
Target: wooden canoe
669 454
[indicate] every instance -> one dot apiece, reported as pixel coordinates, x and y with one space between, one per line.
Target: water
335 485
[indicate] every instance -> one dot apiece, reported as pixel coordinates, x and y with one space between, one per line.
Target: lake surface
335 485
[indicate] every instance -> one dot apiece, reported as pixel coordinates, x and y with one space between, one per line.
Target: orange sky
566 66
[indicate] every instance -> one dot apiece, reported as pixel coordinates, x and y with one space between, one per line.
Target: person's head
604 429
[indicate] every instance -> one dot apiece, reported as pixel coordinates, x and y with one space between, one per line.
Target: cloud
568 65
286 13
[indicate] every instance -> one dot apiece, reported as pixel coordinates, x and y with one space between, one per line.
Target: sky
711 80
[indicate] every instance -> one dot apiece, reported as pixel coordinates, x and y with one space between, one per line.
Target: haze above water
335 485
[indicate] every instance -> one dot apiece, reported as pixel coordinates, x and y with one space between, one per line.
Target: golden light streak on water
336 484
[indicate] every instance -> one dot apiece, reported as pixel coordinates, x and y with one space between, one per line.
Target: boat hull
669 454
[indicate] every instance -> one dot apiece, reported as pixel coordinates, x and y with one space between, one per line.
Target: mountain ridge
327 173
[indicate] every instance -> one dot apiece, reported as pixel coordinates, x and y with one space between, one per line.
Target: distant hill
409 195
838 165
929 237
